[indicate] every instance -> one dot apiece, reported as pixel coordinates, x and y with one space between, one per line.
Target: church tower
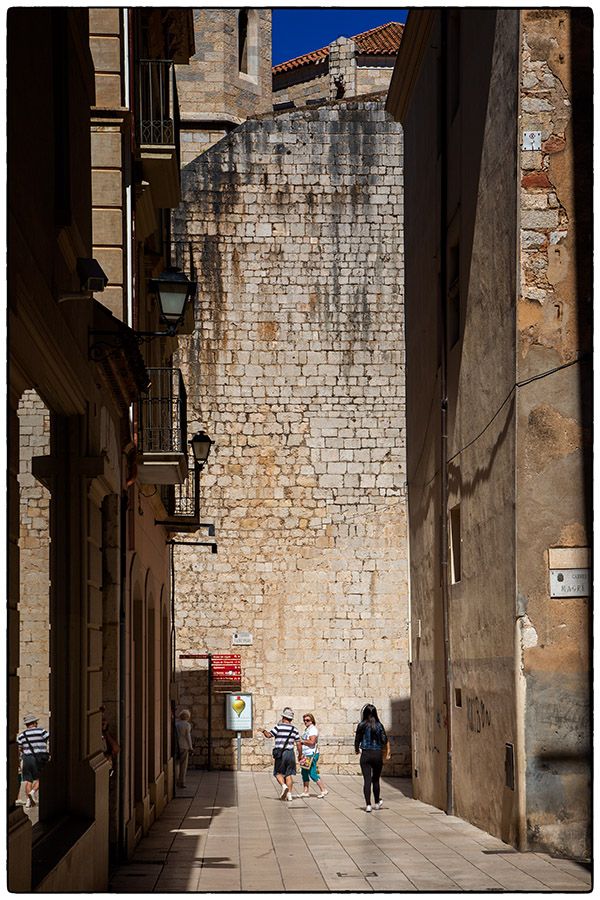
228 79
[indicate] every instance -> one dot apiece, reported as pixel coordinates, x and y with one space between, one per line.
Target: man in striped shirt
285 735
33 749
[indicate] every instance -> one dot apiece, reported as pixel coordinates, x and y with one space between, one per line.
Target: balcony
182 501
158 130
162 429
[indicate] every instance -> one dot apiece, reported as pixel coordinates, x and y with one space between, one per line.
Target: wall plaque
569 583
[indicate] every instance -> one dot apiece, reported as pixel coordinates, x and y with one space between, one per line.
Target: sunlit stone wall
296 369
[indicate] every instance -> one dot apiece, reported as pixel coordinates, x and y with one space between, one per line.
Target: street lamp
174 291
201 444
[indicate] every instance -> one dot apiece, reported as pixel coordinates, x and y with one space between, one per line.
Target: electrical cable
585 357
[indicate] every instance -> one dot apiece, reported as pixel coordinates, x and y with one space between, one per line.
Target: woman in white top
308 750
183 730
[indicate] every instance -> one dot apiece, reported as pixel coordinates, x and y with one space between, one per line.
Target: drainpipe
443 125
129 255
520 760
122 838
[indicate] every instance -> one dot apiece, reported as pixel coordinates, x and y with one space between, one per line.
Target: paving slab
231 833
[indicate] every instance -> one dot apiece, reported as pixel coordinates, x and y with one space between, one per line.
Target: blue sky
297 31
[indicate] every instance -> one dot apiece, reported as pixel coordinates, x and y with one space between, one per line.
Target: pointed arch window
243 41
248 44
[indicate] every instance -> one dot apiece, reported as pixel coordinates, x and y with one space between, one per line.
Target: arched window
248 44
243 41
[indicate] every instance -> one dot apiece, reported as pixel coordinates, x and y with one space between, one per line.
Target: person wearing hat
284 757
33 751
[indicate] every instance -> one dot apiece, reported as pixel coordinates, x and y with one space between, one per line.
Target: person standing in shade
371 741
33 750
284 757
308 751
183 730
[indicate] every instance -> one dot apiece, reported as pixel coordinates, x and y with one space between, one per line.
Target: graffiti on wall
478 715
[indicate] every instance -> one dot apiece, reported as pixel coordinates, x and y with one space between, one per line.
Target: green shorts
313 772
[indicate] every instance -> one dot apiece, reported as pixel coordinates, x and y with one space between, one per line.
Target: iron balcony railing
163 413
158 106
182 500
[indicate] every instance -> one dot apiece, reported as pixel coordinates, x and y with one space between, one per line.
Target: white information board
238 712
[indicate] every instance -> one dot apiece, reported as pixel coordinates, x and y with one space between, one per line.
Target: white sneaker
323 794
379 804
284 792
289 797
34 796
368 808
29 803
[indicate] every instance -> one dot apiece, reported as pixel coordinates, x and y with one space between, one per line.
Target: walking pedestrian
308 750
33 750
111 745
371 740
183 730
284 758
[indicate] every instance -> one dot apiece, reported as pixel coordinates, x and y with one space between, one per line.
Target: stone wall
212 89
296 369
319 82
34 547
289 88
373 78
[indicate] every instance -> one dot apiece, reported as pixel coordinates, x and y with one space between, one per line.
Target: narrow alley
299 449
230 832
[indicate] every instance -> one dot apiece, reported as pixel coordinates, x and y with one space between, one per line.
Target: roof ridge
376 28
310 54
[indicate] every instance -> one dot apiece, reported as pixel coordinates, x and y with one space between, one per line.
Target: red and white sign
226 668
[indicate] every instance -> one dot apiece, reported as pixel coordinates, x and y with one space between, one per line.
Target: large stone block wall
370 79
296 369
289 87
34 546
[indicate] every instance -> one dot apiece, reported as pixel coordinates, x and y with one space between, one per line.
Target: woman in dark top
371 740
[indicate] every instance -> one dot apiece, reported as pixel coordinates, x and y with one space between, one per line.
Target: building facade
89 559
497 253
348 67
294 223
228 78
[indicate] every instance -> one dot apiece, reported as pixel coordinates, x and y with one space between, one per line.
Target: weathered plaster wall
481 193
554 425
481 419
519 449
422 444
297 370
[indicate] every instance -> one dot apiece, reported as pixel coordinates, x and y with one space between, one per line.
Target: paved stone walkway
230 832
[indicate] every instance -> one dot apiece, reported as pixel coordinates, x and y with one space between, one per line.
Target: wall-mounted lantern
201 444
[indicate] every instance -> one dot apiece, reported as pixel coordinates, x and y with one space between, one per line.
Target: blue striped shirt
37 738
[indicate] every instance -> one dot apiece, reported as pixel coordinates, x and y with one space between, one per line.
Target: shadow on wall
399 729
192 688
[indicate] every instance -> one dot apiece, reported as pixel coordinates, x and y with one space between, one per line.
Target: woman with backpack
372 743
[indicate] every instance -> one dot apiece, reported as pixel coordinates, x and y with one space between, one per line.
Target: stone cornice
408 62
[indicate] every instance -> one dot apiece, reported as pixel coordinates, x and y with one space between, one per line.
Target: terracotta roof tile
383 40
